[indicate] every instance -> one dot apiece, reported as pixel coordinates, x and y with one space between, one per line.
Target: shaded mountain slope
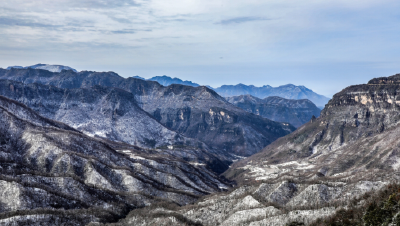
295 112
50 175
196 112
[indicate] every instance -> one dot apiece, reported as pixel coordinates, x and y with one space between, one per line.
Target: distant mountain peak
138 77
166 81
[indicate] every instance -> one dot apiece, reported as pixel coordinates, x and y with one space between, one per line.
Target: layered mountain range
195 112
295 112
288 91
92 147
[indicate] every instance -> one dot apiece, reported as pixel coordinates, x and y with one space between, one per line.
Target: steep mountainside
196 112
356 137
166 81
109 113
48 67
295 112
50 174
288 91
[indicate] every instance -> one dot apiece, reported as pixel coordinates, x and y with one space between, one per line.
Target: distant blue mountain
138 77
288 91
166 81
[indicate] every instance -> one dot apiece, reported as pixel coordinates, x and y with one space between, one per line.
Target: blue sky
325 45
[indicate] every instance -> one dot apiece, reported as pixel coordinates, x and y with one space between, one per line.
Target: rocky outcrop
196 112
288 91
52 174
295 112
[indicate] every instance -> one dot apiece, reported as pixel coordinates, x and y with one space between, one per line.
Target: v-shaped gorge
195 112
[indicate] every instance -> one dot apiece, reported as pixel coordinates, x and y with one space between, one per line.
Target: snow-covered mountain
51 174
109 113
48 67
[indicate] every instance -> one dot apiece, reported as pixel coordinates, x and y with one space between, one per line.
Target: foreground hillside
51 174
275 204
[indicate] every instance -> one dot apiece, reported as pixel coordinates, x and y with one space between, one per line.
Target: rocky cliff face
196 112
295 112
355 137
288 91
51 174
